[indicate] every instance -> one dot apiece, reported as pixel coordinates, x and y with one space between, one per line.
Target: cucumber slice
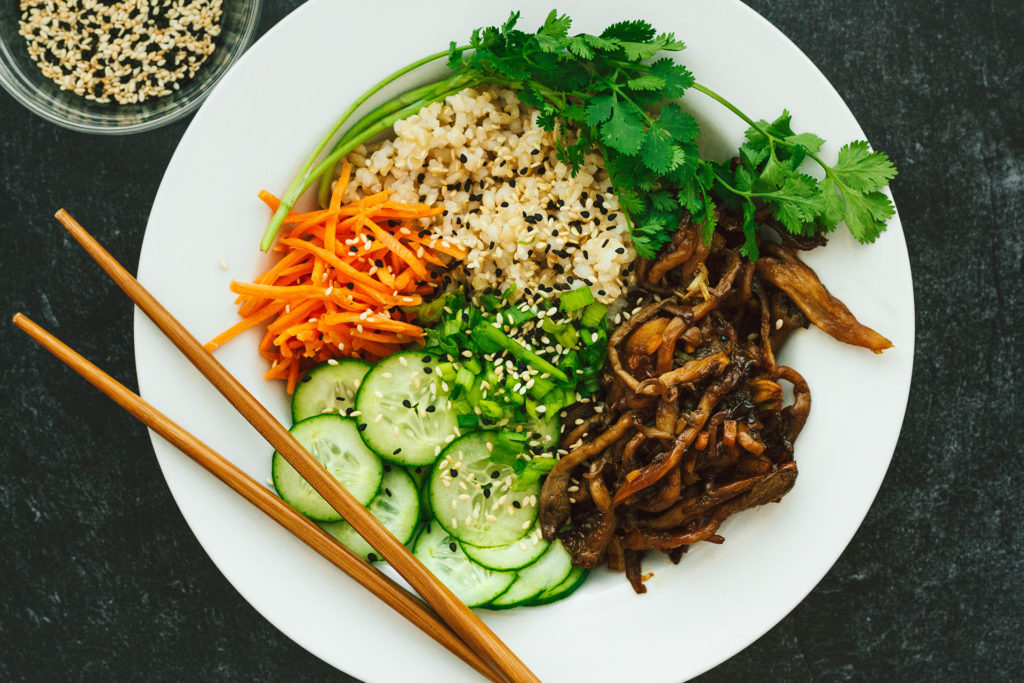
562 590
471 583
544 574
515 555
396 506
334 442
405 409
329 388
477 504
421 475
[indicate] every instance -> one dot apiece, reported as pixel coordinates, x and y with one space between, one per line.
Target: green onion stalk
373 123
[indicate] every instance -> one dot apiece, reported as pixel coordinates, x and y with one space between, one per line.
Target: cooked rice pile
523 217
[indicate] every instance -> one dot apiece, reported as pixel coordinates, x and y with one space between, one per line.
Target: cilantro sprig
618 93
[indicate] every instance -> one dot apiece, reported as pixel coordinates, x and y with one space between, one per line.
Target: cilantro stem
731 107
772 139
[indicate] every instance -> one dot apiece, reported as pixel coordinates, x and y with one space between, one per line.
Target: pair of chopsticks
450 622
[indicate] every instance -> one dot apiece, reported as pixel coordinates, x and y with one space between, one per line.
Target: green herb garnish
612 92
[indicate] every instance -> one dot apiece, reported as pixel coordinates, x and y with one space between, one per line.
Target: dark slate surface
102 580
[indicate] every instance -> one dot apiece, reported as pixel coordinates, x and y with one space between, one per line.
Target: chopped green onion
594 315
491 409
490 302
576 298
516 316
502 341
541 387
468 421
447 371
464 377
567 336
550 326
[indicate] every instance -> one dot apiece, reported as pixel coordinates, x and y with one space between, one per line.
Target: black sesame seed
495 474
454 472
387 492
487 493
452 546
408 404
516 504
362 426
397 451
372 557
463 158
431 409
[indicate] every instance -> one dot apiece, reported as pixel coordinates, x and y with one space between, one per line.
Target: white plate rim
147 378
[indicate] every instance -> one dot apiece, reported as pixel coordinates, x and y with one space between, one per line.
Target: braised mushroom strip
694 426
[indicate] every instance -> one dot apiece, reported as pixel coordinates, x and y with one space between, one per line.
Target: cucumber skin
274 474
362 551
430 496
582 577
425 529
296 412
547 545
525 602
386 453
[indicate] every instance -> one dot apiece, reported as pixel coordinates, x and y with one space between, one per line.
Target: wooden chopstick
460 618
306 531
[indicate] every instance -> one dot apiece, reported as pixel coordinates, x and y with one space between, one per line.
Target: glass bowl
20 76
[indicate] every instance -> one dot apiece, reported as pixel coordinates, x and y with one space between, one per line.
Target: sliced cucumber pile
404 405
329 388
334 442
511 556
441 554
457 500
472 495
546 573
563 590
396 506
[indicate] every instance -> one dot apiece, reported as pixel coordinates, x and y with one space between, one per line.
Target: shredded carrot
342 274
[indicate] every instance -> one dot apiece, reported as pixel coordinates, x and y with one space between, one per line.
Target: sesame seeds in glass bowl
118 67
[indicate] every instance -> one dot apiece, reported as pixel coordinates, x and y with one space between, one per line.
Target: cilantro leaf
634 31
809 141
676 76
646 82
639 51
579 47
862 169
797 203
658 151
623 131
681 125
599 110
866 214
555 25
